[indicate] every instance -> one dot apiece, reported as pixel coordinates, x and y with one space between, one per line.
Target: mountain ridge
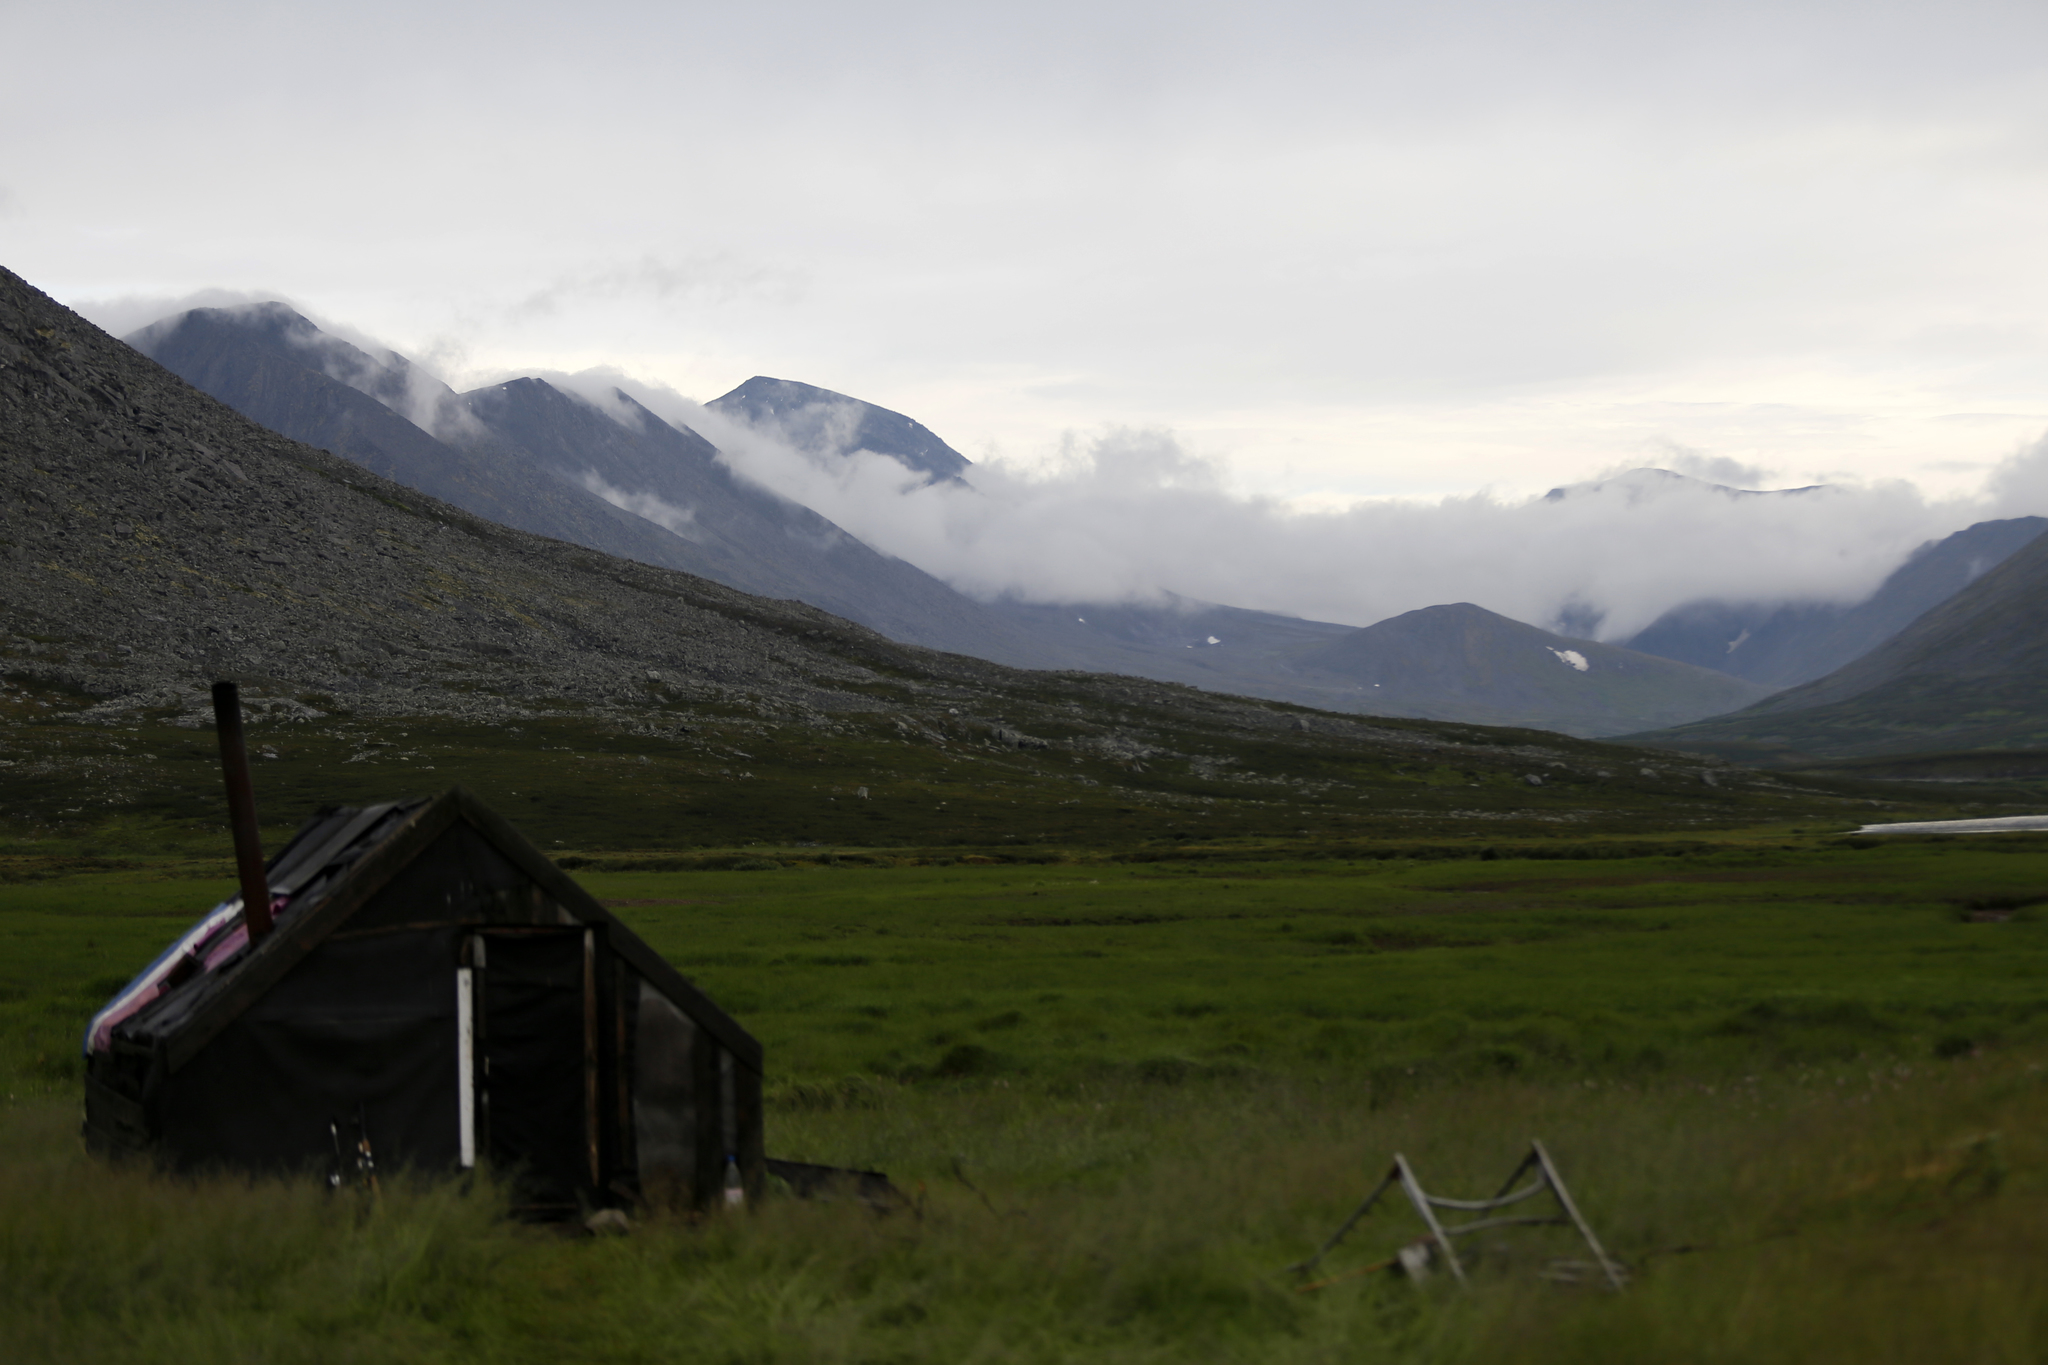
619 478
1970 674
153 539
256 361
506 457
605 471
1462 659
1785 644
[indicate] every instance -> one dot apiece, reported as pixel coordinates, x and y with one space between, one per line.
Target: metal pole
1556 1183
234 765
1421 1203
1303 1267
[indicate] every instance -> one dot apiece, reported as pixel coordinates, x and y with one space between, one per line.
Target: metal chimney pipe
234 767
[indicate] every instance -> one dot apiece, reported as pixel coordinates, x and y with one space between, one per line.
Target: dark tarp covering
458 877
664 1108
368 1022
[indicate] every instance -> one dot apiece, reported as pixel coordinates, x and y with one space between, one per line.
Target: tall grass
1868 1214
1798 1090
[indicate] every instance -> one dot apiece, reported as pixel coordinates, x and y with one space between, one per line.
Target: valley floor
1797 1083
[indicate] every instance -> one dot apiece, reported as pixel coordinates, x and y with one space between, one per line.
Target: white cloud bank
1131 514
680 521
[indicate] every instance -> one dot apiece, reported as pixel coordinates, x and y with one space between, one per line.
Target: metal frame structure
1444 1235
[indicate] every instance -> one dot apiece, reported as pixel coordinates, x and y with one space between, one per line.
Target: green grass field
1796 1081
681 779
1789 952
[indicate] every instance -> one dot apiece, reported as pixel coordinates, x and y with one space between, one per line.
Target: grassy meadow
1797 1083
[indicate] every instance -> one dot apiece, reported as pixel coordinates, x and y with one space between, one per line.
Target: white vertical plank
593 1132
465 1063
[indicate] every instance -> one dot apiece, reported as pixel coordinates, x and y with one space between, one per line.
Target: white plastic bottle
735 1189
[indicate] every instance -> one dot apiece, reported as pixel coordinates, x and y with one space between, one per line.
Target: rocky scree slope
154 538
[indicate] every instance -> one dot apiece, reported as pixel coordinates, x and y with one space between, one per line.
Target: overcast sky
1339 250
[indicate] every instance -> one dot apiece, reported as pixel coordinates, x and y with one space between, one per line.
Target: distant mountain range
1971 673
609 474
1784 644
153 539
1464 662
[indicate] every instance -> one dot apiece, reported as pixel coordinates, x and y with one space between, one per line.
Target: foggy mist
1129 514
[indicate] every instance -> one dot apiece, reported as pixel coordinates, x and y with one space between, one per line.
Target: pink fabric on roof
149 987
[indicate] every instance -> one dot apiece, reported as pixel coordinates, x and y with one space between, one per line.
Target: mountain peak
1648 481
822 422
272 321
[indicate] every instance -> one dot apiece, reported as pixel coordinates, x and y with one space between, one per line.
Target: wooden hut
432 979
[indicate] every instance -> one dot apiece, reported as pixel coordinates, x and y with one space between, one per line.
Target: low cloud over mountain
1128 514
